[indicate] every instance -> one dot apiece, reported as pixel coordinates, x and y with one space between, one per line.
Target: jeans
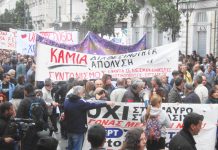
75 141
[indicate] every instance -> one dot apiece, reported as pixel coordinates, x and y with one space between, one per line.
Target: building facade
203 26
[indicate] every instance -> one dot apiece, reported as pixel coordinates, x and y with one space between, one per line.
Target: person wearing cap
176 93
97 137
51 104
184 139
190 95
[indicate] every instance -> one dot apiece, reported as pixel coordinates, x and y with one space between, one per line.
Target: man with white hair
133 92
75 113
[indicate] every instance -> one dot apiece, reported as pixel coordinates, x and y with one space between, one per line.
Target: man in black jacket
7 142
31 138
190 95
184 139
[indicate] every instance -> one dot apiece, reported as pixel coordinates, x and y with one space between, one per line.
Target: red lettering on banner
104 122
179 126
133 124
3 33
2 38
67 57
32 37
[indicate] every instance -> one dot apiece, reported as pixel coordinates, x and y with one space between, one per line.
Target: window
201 17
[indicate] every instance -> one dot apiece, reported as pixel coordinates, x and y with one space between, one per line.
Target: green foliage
167 16
104 14
17 18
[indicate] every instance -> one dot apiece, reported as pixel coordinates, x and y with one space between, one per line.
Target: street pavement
62 143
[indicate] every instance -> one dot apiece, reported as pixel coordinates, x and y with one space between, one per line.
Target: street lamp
77 21
187 7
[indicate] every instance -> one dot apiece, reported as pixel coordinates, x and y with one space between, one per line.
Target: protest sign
26 41
62 64
7 40
124 116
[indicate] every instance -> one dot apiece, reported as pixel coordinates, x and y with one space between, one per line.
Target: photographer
6 141
34 108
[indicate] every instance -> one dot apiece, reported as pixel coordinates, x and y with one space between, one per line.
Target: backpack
37 113
153 128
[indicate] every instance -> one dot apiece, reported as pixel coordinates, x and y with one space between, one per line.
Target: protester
133 92
2 98
98 83
12 74
90 88
18 96
156 120
186 75
47 143
75 110
7 142
175 75
200 89
184 140
6 87
107 84
51 104
30 140
213 96
197 71
210 74
205 83
190 95
135 139
157 87
118 93
99 94
20 69
97 137
176 93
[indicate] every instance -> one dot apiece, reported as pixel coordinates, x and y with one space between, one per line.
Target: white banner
7 40
61 64
26 41
124 116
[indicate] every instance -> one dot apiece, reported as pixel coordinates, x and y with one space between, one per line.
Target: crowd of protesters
195 81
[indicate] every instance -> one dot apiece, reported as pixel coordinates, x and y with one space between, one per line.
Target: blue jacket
75 111
11 89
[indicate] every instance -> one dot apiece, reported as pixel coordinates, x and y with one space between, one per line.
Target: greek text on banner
62 64
124 116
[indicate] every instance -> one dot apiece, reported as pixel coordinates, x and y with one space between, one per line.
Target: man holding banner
75 110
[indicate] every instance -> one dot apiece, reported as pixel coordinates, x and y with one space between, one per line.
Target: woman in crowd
213 96
2 98
90 88
134 140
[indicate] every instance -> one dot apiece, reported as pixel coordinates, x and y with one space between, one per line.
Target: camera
18 127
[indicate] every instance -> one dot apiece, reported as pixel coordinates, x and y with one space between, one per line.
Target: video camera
18 127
